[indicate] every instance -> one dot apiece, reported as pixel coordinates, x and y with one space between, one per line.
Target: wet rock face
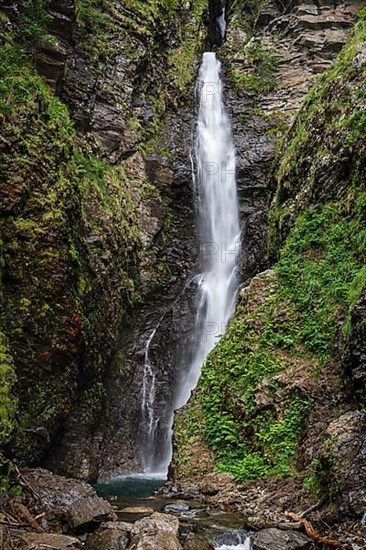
356 362
343 457
51 62
112 446
125 246
92 107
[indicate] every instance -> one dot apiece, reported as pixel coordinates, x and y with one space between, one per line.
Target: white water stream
148 408
240 546
219 237
236 540
221 23
218 219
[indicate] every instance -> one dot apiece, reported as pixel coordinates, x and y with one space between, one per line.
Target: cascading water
148 409
218 220
219 234
221 23
232 541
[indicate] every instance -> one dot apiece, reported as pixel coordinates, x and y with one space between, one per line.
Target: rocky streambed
56 513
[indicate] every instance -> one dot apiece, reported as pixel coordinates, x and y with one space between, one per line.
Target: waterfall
149 423
232 541
218 220
219 238
221 23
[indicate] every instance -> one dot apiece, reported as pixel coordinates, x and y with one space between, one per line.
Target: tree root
310 531
22 512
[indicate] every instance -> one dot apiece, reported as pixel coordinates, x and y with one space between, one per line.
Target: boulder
344 451
157 532
275 539
161 540
157 522
215 482
47 541
68 503
109 536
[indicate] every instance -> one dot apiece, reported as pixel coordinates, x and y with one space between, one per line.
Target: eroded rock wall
97 226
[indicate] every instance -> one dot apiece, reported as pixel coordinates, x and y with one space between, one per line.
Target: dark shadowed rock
275 539
343 456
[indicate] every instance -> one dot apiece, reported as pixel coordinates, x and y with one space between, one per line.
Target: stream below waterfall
201 527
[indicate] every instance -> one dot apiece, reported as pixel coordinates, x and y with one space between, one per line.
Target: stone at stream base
47 541
157 532
68 503
193 542
137 510
275 539
110 536
215 482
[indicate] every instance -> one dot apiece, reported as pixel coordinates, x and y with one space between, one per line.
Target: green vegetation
182 58
8 402
33 22
250 421
244 14
258 74
62 207
321 265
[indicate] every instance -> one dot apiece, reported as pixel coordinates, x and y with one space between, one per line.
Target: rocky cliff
97 226
282 394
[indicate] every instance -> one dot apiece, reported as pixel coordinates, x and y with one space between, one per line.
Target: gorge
120 271
219 245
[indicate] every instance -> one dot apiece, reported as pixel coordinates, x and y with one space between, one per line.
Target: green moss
8 478
294 321
319 269
66 212
260 65
182 59
32 24
311 482
8 401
